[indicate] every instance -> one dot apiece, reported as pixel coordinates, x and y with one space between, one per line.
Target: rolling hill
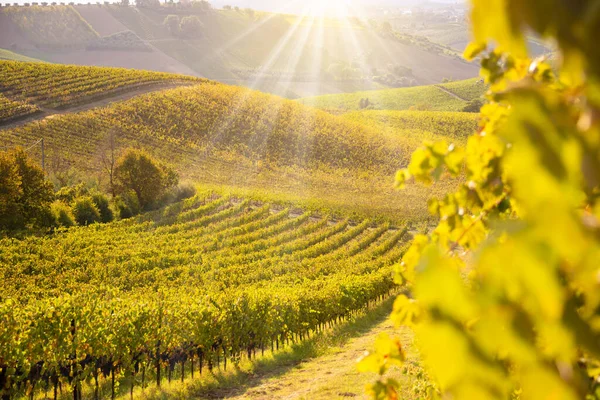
452 96
295 227
292 56
54 87
228 136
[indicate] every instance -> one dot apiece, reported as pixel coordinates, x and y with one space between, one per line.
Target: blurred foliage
506 289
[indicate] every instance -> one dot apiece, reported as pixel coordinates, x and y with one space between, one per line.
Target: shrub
128 205
474 106
101 202
149 179
85 211
177 194
190 26
68 194
172 23
63 215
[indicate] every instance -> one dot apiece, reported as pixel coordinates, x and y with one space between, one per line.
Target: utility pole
43 157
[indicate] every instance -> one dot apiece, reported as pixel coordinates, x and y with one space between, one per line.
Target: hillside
293 56
51 26
266 275
231 136
12 56
429 98
419 125
53 86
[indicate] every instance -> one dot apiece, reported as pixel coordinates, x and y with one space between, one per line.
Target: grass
420 98
12 56
322 367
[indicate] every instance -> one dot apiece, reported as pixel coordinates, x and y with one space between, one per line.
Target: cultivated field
203 282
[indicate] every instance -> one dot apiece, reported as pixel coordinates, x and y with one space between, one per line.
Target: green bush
63 215
148 179
85 211
68 194
177 194
128 205
474 106
101 202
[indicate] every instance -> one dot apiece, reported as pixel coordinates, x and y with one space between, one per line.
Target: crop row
201 282
50 85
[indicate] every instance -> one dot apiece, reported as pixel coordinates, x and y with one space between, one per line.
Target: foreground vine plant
506 289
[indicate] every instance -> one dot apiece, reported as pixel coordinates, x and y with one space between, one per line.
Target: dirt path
443 89
333 375
106 99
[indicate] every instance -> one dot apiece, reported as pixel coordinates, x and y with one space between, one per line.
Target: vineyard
14 109
197 285
53 26
419 125
469 90
55 86
220 120
428 98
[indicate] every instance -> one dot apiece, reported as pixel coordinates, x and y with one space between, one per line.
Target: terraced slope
56 86
421 98
203 282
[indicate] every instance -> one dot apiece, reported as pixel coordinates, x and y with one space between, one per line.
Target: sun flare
328 8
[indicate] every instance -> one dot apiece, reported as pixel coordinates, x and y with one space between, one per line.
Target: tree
10 192
108 156
85 211
147 3
172 23
149 179
191 26
25 194
506 290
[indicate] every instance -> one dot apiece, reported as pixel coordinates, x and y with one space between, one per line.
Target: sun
328 8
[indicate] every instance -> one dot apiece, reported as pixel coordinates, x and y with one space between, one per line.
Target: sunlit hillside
227 135
290 55
453 96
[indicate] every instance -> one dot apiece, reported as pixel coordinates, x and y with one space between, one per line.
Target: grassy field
420 98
